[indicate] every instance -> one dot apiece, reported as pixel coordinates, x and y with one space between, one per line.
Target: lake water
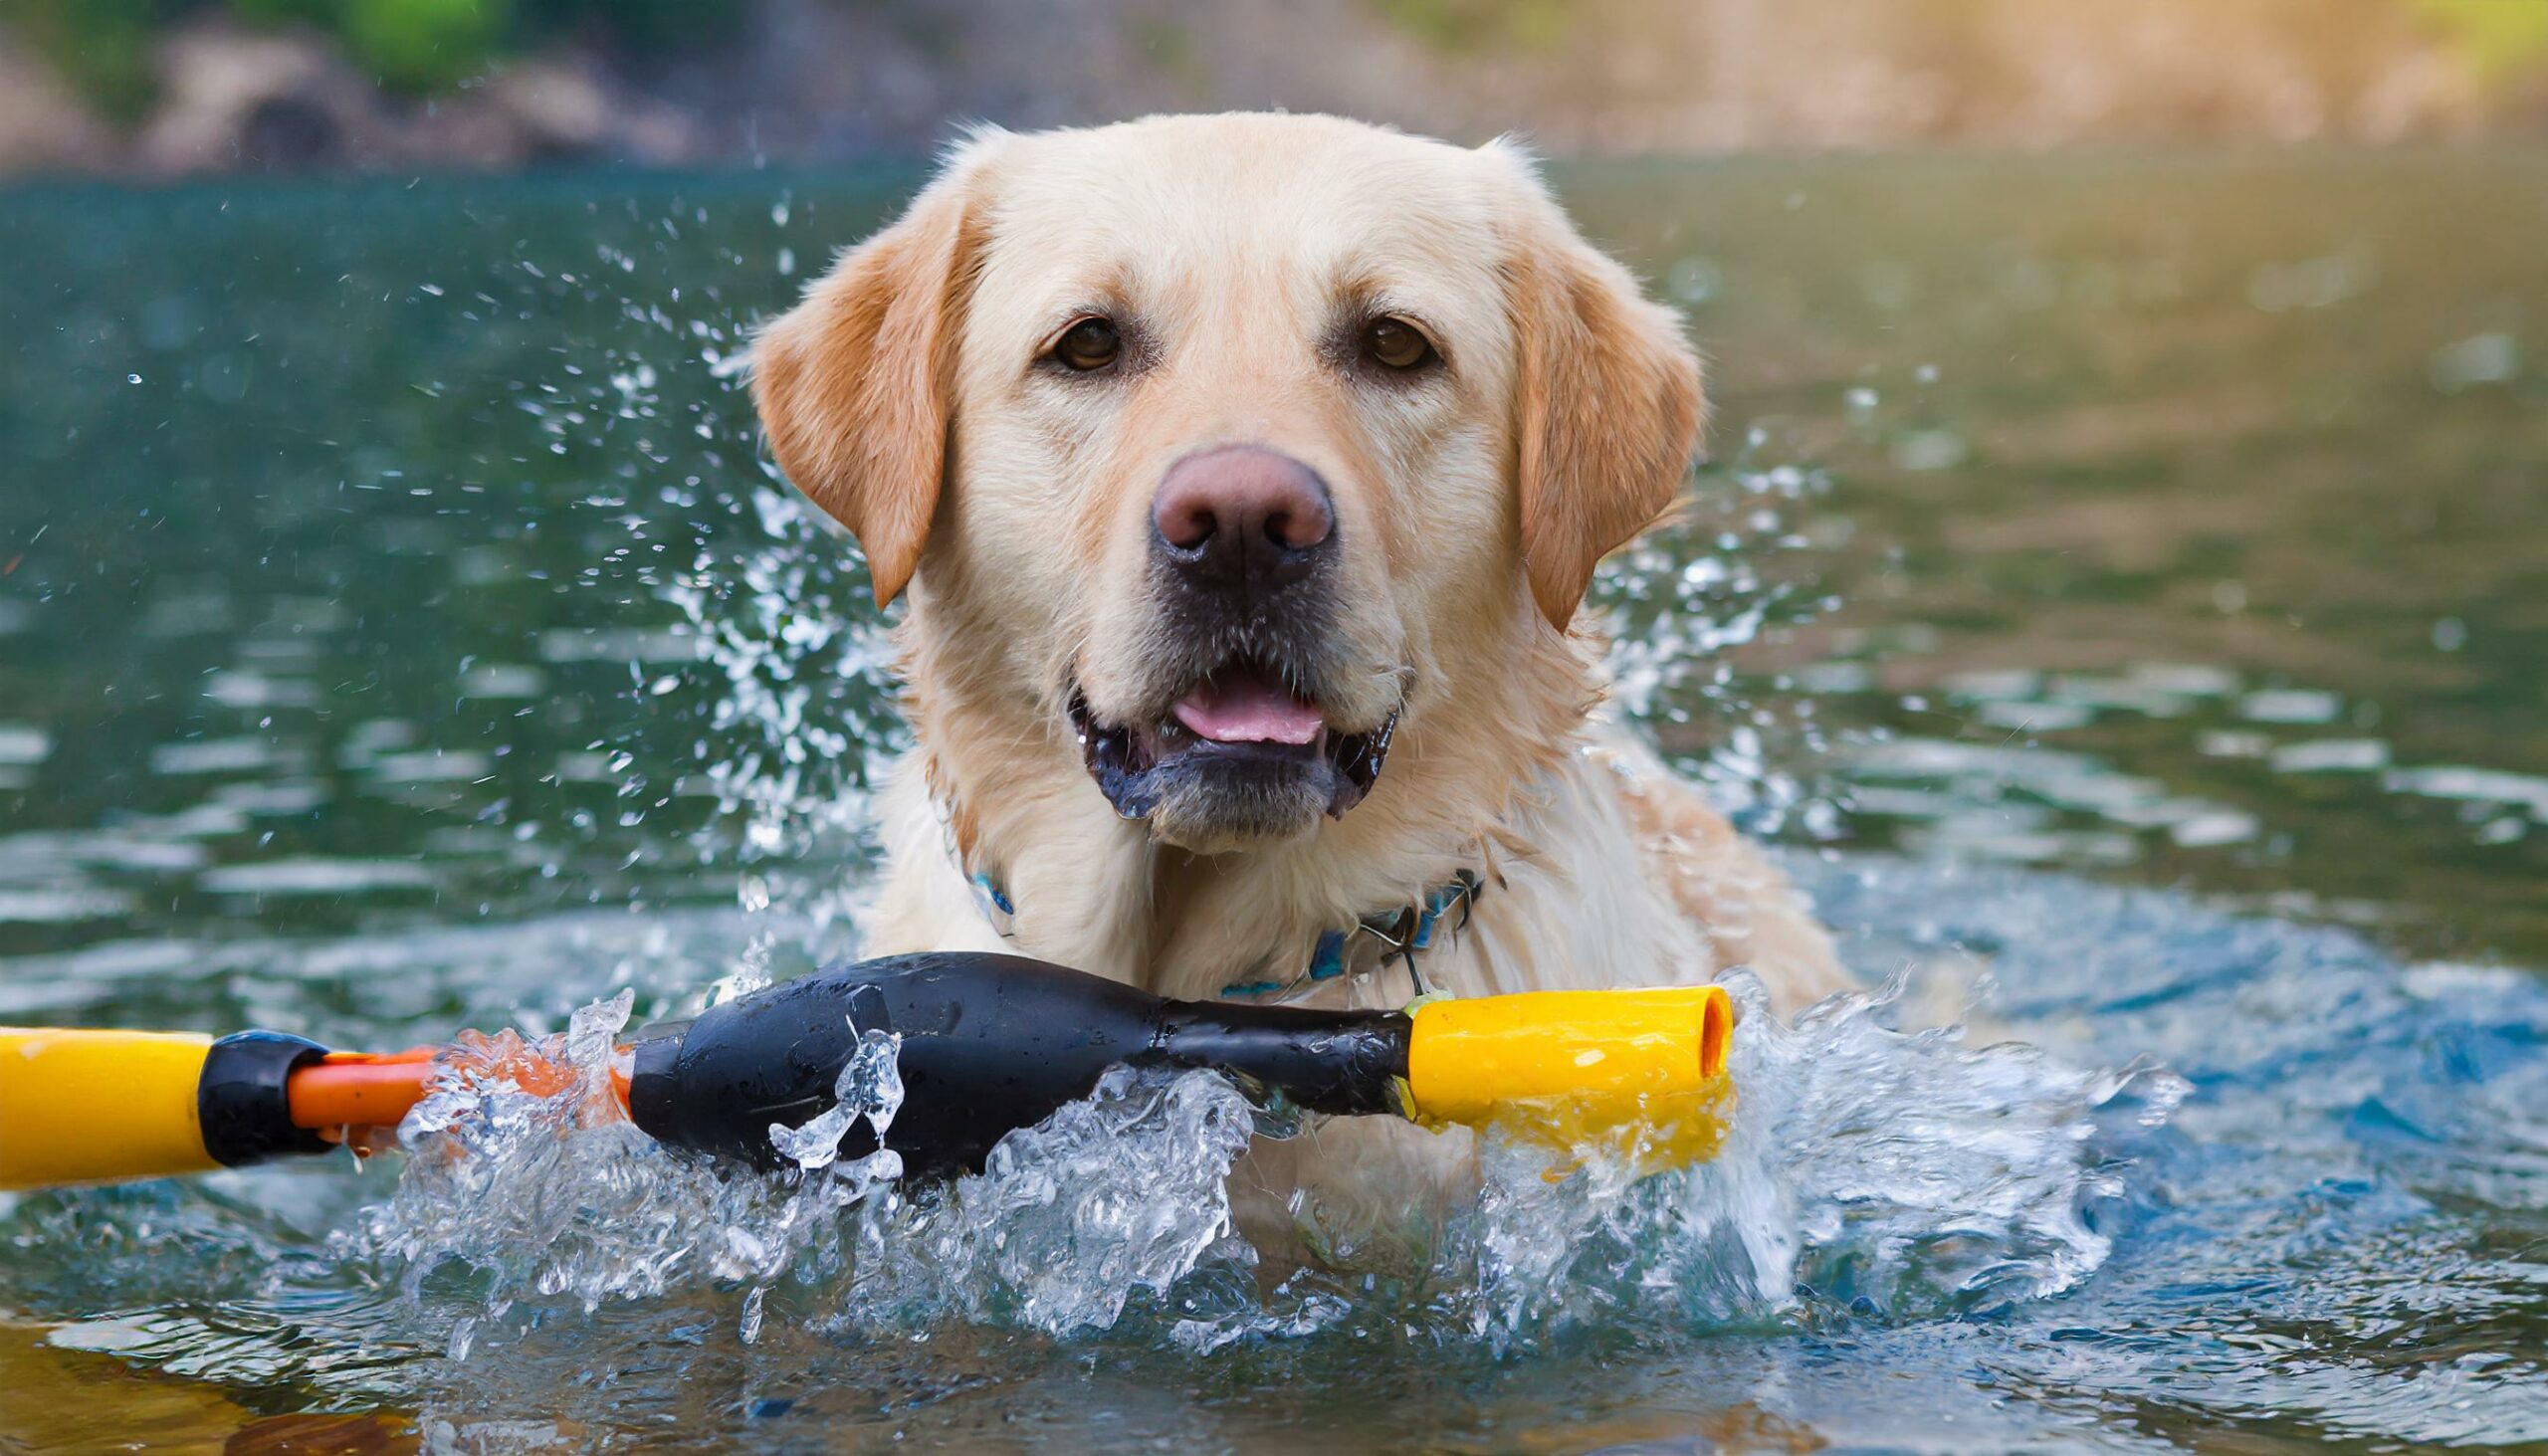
2121 584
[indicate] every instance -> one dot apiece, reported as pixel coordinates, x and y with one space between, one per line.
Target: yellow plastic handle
97 1107
1639 1071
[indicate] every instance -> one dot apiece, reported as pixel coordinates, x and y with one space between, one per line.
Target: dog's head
1232 445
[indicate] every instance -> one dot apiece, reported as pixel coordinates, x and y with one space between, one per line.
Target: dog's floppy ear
854 383
1606 401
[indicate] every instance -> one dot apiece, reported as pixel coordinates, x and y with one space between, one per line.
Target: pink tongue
1245 709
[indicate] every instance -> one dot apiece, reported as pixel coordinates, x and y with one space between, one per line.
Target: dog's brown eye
1394 343
1091 344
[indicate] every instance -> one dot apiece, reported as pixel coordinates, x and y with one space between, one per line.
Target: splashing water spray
983 1045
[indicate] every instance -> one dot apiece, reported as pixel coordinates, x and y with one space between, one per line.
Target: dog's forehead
1211 204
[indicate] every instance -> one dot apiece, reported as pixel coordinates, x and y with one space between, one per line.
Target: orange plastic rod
360 1089
376 1089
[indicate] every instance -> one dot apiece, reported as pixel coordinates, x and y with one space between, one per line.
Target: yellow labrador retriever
1244 474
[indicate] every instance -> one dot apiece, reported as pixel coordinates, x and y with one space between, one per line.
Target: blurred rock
234 99
555 110
44 128
237 99
537 113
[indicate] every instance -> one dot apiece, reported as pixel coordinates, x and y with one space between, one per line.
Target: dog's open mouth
1240 727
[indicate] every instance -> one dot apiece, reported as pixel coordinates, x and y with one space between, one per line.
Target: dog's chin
1213 798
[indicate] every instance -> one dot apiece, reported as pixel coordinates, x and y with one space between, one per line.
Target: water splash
552 1191
869 1090
1728 570
1872 1174
549 1192
1117 1196
1931 1176
802 716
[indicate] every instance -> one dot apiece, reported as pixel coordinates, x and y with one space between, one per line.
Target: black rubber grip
990 1044
241 1101
654 1086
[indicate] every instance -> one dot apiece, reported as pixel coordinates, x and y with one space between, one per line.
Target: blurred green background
157 87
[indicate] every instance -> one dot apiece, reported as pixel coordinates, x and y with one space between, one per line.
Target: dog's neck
1087 888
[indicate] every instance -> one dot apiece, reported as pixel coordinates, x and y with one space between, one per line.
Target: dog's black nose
1241 517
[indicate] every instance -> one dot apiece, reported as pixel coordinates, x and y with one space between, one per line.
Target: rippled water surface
2122 585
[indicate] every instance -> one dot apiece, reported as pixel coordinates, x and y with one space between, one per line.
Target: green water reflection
336 524
2282 424
378 564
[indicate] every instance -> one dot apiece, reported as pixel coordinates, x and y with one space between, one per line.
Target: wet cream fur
1011 507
